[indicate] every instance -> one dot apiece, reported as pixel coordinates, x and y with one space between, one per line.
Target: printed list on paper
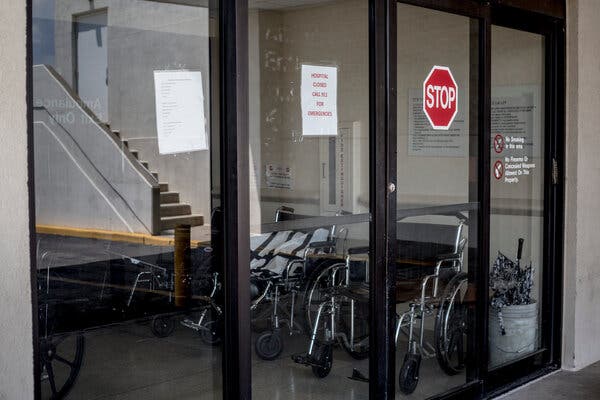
180 122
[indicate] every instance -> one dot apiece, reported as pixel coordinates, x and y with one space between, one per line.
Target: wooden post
182 265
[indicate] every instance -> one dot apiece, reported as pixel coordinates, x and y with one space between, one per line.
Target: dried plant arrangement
510 284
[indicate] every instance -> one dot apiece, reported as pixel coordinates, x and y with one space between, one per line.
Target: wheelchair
282 264
343 291
448 307
61 350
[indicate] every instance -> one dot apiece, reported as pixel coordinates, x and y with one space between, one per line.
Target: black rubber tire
211 336
450 338
269 345
162 326
324 357
408 379
50 355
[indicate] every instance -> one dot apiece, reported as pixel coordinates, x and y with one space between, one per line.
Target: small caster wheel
162 326
324 358
211 334
409 373
269 345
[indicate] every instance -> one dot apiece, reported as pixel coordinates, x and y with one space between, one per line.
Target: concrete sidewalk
563 385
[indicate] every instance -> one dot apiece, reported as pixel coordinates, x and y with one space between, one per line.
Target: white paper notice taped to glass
319 100
180 122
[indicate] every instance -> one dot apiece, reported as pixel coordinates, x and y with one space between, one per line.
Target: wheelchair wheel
451 326
211 334
162 326
324 358
61 359
408 379
318 289
269 345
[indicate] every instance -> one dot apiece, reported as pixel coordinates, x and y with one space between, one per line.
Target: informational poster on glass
515 133
319 100
180 122
423 140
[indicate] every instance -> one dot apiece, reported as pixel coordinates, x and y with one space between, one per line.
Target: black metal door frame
485 383
548 357
382 154
231 51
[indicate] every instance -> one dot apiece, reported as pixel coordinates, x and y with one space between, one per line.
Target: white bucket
521 326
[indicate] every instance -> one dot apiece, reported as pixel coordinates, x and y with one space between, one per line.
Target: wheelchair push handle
520 249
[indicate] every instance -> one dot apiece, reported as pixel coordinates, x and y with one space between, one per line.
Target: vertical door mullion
558 81
483 217
548 245
233 60
552 291
382 139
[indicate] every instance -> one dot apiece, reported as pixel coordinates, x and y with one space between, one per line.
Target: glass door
525 196
309 198
437 203
518 137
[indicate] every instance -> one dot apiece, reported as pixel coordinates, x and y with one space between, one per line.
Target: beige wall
581 327
289 38
16 357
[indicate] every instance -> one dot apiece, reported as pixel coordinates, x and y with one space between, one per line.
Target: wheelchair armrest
321 245
448 257
358 250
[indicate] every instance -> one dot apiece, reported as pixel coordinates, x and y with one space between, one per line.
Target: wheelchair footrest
305 359
188 323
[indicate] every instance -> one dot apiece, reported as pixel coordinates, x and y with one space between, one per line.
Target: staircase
172 211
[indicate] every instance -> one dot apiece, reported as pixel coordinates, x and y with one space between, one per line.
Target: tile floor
127 362
562 385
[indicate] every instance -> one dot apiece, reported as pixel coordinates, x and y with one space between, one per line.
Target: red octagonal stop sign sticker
440 97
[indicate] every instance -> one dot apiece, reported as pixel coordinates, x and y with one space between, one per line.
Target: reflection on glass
309 182
437 203
517 198
128 279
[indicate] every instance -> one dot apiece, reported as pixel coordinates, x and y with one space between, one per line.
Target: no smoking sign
498 143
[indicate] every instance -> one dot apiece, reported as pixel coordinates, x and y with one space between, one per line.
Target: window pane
128 277
437 199
309 197
517 198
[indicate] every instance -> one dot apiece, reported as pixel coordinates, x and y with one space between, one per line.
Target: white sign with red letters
319 100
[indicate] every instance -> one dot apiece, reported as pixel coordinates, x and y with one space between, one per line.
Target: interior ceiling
283 4
260 4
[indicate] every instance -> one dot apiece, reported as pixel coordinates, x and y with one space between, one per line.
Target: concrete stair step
175 209
171 222
144 164
154 174
135 153
169 197
116 133
164 186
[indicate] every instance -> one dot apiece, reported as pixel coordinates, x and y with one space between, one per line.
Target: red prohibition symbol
499 143
498 169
